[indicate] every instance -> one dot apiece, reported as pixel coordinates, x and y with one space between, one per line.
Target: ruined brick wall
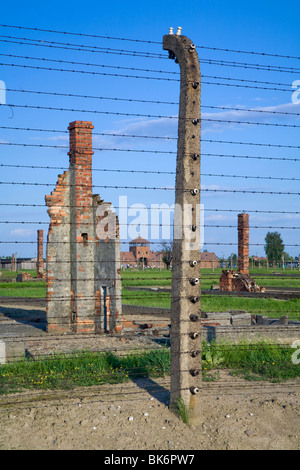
225 282
243 243
82 271
107 267
237 281
58 297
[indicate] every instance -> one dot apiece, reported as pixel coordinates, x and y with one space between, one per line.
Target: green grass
182 410
214 303
82 369
146 298
267 306
210 303
23 289
259 361
148 277
6 273
275 282
155 277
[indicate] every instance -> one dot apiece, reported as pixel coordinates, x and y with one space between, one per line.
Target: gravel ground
135 416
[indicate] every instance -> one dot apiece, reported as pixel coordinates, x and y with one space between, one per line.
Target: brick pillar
81 162
82 233
243 243
40 254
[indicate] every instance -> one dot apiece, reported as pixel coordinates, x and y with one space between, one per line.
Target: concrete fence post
186 291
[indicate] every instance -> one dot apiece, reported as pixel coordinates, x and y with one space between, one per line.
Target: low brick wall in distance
281 334
232 326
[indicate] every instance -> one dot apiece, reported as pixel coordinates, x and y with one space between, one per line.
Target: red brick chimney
82 226
243 243
81 161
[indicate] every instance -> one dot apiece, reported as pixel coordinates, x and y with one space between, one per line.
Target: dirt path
135 416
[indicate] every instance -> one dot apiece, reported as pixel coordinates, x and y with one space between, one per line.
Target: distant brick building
139 255
209 260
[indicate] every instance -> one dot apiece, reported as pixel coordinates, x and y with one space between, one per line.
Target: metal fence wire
135 140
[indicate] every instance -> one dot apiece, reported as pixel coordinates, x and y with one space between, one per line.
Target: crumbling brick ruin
240 280
83 248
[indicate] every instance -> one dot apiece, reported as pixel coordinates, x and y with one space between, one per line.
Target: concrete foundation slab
11 351
244 319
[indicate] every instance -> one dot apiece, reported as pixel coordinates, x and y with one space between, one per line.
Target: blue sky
241 26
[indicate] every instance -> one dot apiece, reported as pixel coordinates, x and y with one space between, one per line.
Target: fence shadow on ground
154 389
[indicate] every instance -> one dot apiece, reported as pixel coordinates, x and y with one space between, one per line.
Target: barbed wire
150 243
81 47
143 224
188 190
228 108
139 76
245 65
157 137
212 275
144 41
43 59
143 77
163 208
116 113
213 389
131 326
143 54
155 152
107 170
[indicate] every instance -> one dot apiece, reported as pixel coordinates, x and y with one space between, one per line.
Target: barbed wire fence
132 161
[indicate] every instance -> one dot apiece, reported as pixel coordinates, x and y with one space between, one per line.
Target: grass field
23 289
213 303
7 274
83 368
262 361
270 307
154 277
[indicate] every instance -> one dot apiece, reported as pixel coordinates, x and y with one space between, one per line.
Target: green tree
167 253
274 247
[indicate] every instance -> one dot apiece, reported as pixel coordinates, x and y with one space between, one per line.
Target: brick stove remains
240 280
